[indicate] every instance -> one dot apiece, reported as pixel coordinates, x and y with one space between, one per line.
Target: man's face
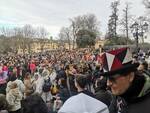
120 83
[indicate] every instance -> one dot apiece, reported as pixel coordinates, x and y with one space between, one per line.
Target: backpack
47 85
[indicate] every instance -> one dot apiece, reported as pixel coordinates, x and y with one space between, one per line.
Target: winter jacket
136 99
104 96
39 85
28 87
63 94
19 84
14 98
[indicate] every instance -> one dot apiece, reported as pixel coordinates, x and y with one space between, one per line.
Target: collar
135 89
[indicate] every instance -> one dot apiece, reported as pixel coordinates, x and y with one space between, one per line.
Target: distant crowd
43 82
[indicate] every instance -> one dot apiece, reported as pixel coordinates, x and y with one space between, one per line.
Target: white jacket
39 85
14 98
19 84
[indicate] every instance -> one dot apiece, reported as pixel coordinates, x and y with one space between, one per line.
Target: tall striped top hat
117 61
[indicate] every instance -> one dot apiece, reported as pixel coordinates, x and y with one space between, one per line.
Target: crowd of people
44 82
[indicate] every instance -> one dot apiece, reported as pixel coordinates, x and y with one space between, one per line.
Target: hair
26 75
97 67
81 80
34 104
63 82
13 77
145 64
102 83
67 67
40 71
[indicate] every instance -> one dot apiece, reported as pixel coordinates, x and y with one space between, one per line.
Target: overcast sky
54 14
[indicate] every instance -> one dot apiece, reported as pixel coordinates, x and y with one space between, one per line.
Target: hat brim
124 69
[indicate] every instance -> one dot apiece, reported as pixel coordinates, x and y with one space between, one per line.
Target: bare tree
141 21
42 34
16 38
91 23
146 3
28 34
6 40
125 21
65 35
21 38
75 29
6 31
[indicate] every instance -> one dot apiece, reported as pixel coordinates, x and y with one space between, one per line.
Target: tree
6 31
125 21
28 33
112 22
21 38
4 42
42 34
146 3
121 41
65 36
16 39
6 39
75 29
85 38
85 22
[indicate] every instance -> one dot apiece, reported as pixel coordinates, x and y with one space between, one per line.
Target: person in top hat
132 91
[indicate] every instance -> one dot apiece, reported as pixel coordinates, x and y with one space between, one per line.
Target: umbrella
83 103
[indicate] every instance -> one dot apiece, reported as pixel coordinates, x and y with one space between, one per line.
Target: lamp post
138 30
144 29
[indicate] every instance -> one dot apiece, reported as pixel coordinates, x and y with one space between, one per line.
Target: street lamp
145 26
138 30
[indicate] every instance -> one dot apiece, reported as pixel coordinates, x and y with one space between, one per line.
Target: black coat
140 106
63 94
131 101
104 96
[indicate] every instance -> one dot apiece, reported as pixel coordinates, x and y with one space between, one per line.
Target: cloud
54 14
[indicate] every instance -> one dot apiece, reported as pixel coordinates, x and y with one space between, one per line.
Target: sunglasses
112 79
115 77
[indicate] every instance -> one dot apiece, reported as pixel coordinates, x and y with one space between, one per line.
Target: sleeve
20 96
39 86
113 105
10 98
7 88
22 87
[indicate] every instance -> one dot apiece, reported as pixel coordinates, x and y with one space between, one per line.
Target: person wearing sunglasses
130 89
